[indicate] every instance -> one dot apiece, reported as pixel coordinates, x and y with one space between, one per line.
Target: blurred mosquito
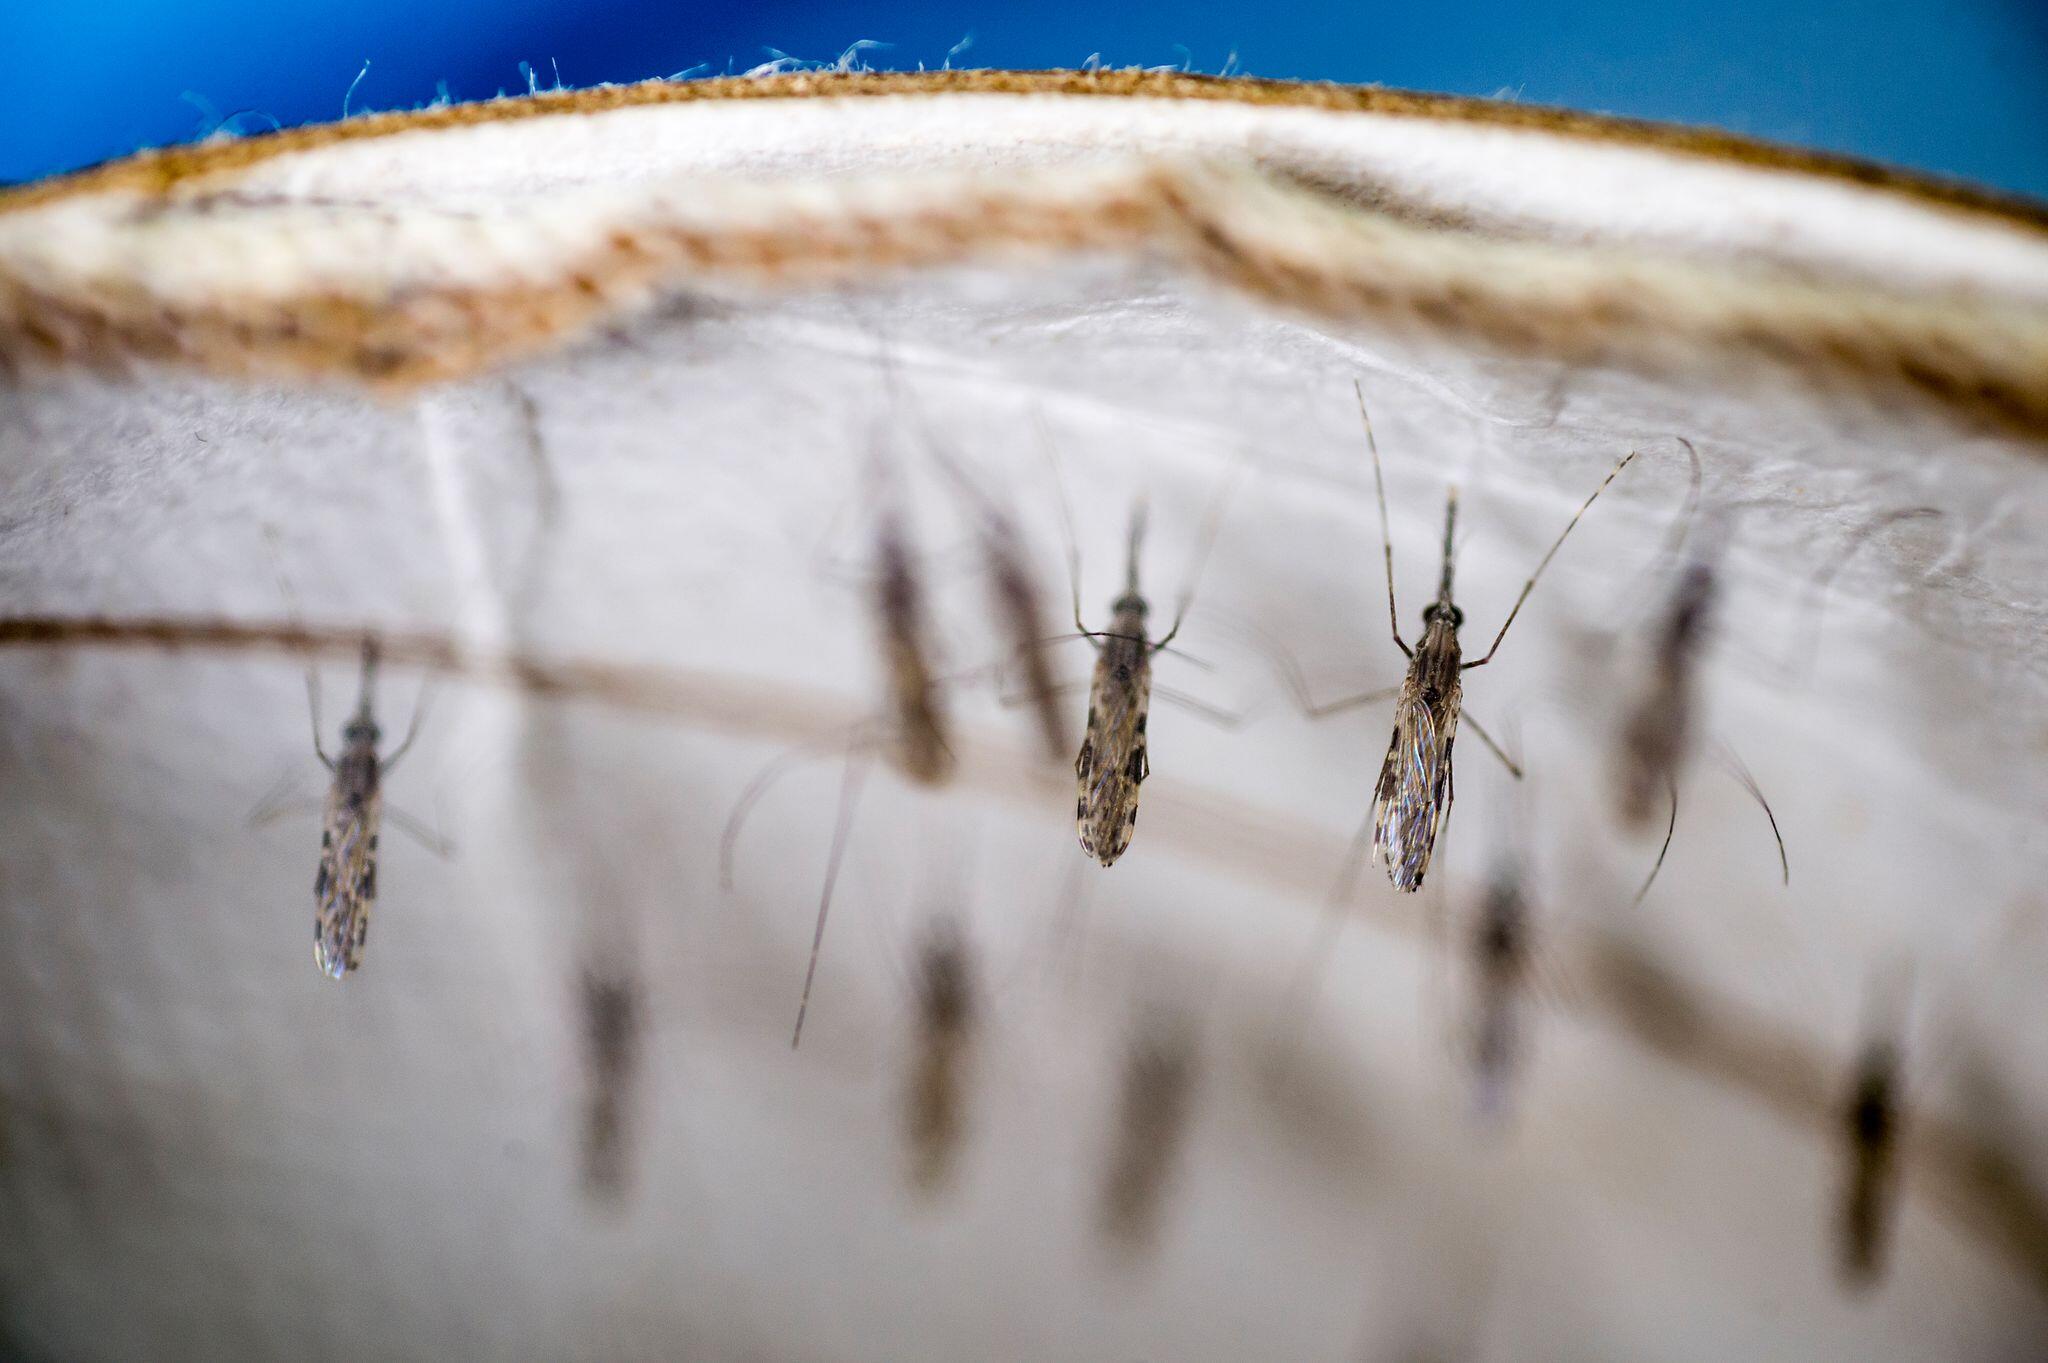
1871 1122
947 1011
1500 959
1018 608
345 886
1657 733
1154 1104
911 735
611 1013
1414 794
1113 762
1871 1117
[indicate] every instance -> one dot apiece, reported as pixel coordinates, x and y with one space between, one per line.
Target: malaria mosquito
912 735
1414 794
1657 731
1113 762
917 746
1870 1123
1500 957
611 1012
345 887
1154 1105
947 1015
1018 608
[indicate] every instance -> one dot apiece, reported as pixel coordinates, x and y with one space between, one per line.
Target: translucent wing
1113 760
1415 790
346 885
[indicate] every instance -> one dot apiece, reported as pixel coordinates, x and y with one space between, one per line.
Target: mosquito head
362 730
1130 604
1443 608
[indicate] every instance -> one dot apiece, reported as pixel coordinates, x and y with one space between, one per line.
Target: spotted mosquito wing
1414 794
346 885
1113 762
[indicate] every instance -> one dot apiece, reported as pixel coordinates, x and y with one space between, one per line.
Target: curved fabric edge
1976 358
156 170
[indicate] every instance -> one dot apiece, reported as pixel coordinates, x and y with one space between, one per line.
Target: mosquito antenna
1386 534
1670 828
849 795
371 655
1073 542
1443 589
1687 512
1140 513
1530 585
1740 771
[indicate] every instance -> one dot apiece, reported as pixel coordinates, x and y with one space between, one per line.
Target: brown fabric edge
1235 227
155 170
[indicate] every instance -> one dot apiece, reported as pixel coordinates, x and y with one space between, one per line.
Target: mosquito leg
1221 718
849 797
1669 829
1740 771
1386 535
412 730
757 789
1495 748
1308 975
419 832
313 705
270 811
1010 700
1530 585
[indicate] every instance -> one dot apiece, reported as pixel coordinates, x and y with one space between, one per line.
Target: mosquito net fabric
597 410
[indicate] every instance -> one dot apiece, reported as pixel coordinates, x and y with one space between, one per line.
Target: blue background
1959 87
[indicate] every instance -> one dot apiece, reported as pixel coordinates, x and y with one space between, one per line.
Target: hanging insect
911 734
611 1015
935 1110
1154 1105
1414 794
345 886
1017 608
1657 730
916 741
1500 959
1113 762
1870 1125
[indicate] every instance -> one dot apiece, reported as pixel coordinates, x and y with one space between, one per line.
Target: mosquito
1113 762
345 887
918 744
1017 606
611 1008
1153 1110
1500 954
947 1016
912 736
1870 1124
1414 794
1658 729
